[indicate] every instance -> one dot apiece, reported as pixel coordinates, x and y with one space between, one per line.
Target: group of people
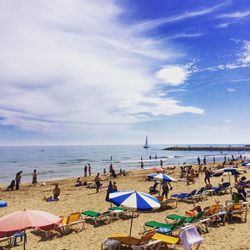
165 186
87 170
204 160
15 183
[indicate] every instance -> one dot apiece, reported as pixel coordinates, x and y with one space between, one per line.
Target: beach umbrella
233 171
25 219
245 164
158 169
134 201
161 177
109 190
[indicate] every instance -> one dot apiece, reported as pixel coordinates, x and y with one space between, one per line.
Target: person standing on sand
34 177
207 175
199 160
97 182
165 189
161 163
85 170
89 168
142 165
205 160
18 179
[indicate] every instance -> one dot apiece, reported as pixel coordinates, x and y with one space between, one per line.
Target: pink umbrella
158 169
22 220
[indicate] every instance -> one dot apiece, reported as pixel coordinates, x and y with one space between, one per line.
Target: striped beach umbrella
233 171
134 201
161 177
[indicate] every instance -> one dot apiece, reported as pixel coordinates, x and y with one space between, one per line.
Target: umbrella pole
230 182
131 223
24 244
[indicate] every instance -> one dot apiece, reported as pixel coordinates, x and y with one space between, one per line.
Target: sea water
57 162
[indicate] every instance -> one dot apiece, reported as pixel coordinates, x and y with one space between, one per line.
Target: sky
86 72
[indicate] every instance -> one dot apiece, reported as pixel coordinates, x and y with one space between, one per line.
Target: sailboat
146 143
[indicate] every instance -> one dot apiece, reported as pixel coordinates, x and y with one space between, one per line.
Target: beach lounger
69 222
185 196
75 219
197 220
164 228
172 202
166 240
97 217
6 242
237 209
146 241
223 188
216 214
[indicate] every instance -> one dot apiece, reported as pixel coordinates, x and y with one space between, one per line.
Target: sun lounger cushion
156 224
91 213
162 230
175 216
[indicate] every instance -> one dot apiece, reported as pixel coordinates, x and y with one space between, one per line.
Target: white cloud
152 24
75 66
185 35
235 15
244 56
227 121
230 89
242 61
223 25
172 75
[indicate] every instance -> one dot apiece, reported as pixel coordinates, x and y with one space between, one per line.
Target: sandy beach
232 236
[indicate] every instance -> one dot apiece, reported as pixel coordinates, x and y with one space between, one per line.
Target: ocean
57 162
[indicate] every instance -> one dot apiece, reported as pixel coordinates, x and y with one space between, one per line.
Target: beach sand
74 199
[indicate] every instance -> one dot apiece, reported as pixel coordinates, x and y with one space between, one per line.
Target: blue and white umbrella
134 201
161 177
245 164
233 171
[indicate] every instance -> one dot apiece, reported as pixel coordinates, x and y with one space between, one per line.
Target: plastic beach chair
97 217
190 236
164 227
145 241
70 221
185 196
166 239
197 220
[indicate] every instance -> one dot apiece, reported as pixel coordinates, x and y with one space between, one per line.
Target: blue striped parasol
134 201
161 177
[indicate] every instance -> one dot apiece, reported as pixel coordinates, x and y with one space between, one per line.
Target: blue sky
112 72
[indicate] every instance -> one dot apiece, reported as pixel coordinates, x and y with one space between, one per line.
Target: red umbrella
22 220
